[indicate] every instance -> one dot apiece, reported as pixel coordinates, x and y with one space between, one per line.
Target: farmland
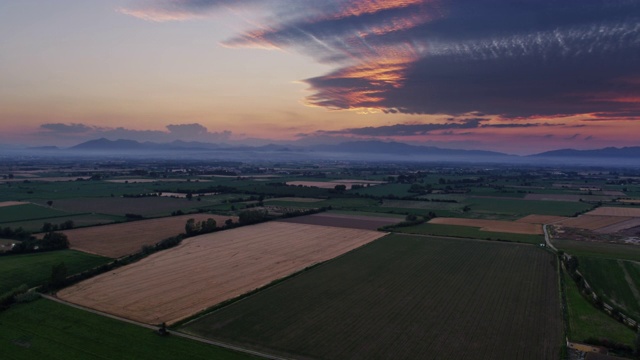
492 225
411 276
47 330
118 240
145 206
343 220
585 321
614 281
208 269
512 208
35 269
23 212
616 211
510 309
469 232
599 249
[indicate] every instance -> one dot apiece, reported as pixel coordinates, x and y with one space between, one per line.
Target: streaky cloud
513 60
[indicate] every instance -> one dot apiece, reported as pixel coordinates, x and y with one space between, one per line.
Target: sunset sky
514 76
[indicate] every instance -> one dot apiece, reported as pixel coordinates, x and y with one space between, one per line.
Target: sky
516 76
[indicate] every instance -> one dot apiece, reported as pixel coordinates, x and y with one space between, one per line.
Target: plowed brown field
208 269
492 225
118 240
12 203
616 211
592 222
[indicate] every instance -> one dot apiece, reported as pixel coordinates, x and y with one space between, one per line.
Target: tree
252 216
47 227
58 274
191 227
208 226
340 188
50 203
228 222
636 345
55 240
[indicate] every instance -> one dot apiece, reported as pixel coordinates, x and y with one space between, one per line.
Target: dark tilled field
345 221
405 297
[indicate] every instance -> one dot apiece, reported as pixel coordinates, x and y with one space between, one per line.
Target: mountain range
352 150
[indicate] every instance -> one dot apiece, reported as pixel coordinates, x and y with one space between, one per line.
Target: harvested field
405 297
492 225
592 222
629 201
541 219
616 211
345 221
12 203
621 226
118 240
208 269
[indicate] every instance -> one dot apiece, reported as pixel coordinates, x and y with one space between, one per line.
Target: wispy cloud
499 57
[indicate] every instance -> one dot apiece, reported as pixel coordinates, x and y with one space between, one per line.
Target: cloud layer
513 59
83 132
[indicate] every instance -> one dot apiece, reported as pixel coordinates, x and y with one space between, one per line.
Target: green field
599 249
611 280
35 269
47 330
399 190
424 205
146 206
14 213
585 321
519 208
35 226
469 232
405 297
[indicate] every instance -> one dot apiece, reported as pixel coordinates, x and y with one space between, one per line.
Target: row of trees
50 241
48 227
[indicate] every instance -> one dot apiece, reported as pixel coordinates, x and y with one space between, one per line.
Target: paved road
546 238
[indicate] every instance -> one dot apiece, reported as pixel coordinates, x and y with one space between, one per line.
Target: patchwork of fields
118 240
405 297
208 269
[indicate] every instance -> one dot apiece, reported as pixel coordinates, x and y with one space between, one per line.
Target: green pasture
35 269
45 329
585 321
521 208
23 212
599 249
612 280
